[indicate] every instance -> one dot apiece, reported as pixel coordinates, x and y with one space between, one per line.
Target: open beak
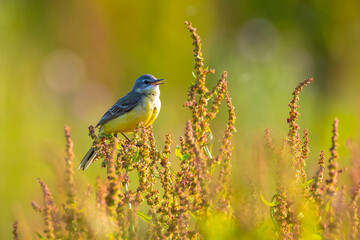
157 82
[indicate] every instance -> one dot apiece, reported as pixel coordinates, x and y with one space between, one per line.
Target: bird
141 104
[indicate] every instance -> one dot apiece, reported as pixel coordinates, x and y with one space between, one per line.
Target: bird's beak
157 82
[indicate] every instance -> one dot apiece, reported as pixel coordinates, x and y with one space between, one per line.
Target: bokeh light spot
63 71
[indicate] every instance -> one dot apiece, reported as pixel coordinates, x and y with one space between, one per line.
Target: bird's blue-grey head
146 83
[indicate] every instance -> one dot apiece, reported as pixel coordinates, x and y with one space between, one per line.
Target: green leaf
178 152
308 182
212 168
270 204
39 235
220 194
210 137
207 151
272 215
316 236
136 156
111 236
193 74
118 146
179 155
327 207
144 217
173 171
194 216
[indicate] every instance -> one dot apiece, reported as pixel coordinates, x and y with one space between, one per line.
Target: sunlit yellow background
67 62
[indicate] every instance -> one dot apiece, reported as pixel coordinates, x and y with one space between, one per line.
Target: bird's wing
123 105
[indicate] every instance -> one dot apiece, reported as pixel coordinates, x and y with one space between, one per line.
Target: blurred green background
67 62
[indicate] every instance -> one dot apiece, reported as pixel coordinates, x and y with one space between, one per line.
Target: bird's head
147 83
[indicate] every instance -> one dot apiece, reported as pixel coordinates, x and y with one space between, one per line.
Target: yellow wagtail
141 104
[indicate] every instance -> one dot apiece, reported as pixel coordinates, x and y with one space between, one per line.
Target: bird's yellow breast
146 111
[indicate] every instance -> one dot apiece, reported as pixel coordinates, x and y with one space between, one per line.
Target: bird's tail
87 160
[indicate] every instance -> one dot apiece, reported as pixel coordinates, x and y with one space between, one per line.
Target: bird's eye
146 82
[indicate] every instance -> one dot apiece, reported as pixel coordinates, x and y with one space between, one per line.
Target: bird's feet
126 137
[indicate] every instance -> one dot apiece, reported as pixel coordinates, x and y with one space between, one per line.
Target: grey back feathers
123 105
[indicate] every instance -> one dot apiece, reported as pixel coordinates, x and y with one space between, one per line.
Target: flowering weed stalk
315 208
